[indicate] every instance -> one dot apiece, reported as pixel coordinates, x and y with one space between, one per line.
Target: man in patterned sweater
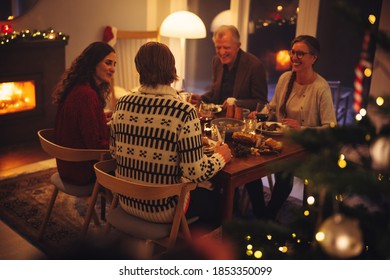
156 138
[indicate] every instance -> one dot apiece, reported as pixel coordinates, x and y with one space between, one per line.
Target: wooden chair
46 138
341 101
163 234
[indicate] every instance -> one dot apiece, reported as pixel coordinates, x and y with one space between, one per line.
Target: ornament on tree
380 154
340 237
6 29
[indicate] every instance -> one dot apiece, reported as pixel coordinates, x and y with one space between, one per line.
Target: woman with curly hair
81 96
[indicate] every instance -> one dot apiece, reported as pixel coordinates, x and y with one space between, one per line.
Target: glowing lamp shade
223 18
183 24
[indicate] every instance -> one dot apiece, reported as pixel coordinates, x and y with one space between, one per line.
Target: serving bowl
228 125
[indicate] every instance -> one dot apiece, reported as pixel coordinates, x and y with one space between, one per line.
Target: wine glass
205 114
262 113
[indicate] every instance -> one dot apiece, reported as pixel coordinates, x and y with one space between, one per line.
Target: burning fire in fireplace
17 96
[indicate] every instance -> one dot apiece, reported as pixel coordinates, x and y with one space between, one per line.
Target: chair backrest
147 192
137 190
126 47
335 88
341 101
46 138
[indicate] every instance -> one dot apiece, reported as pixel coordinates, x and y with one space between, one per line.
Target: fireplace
28 73
17 96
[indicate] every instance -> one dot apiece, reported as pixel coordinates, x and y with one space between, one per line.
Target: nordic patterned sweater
156 138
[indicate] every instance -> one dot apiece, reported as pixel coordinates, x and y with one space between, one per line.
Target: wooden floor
12 245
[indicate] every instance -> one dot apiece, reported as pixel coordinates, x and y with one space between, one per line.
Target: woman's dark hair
82 71
155 64
314 49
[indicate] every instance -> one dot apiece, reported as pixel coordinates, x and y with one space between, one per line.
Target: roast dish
255 144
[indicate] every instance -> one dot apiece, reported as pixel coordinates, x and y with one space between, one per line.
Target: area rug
23 204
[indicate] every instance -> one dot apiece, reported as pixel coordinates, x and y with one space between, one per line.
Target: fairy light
372 18
258 254
269 236
279 8
310 200
380 101
367 72
283 249
342 163
27 35
249 253
363 112
248 237
306 213
249 247
320 236
339 197
358 117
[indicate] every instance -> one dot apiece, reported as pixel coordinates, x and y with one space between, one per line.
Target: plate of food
268 147
216 108
271 128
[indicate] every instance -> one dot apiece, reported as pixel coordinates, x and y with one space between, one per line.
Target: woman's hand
292 123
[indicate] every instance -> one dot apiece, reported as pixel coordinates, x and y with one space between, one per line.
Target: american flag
359 70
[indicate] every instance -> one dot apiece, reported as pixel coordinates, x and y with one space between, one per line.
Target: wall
201 51
341 39
83 20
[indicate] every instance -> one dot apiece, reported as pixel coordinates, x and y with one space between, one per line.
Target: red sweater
80 123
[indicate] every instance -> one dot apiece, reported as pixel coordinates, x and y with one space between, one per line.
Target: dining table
242 170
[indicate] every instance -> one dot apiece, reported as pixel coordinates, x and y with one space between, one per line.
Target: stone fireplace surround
42 61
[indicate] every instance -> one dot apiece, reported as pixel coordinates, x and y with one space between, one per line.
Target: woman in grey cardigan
302 99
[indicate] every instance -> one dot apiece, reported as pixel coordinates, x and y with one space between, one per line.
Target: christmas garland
27 36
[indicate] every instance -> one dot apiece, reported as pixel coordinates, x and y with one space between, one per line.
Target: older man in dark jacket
236 73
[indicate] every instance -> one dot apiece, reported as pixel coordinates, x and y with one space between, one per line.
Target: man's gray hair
221 31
